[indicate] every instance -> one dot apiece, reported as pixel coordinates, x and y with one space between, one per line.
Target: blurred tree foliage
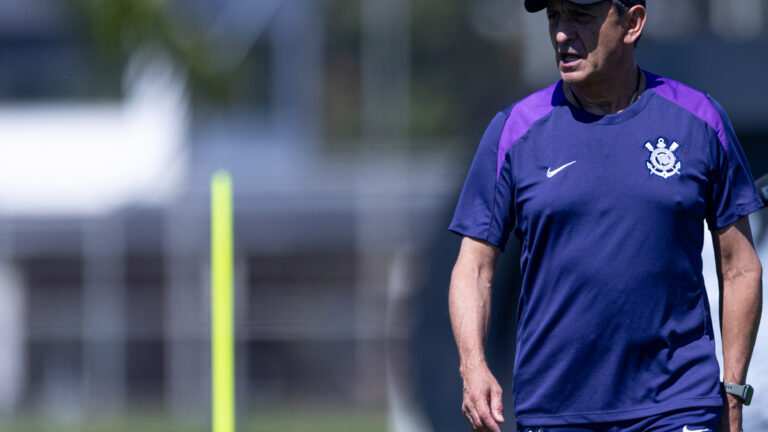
117 28
343 80
458 80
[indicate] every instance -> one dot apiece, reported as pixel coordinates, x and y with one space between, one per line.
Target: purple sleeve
483 211
733 191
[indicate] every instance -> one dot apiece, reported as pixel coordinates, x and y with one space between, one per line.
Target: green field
280 420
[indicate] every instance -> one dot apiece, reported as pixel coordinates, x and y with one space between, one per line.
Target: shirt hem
458 230
739 212
618 415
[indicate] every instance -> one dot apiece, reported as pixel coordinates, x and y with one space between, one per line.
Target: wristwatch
744 392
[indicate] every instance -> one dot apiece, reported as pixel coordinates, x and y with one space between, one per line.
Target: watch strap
744 392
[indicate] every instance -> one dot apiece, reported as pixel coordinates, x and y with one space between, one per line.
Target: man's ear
635 20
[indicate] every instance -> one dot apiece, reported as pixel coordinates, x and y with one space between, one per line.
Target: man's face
588 40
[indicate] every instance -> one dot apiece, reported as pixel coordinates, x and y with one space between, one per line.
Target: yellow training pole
222 316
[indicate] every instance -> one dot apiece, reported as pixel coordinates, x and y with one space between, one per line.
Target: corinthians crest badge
662 160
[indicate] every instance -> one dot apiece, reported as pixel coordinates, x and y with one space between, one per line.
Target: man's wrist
733 401
472 364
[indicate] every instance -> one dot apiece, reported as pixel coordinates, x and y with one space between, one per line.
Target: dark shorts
685 420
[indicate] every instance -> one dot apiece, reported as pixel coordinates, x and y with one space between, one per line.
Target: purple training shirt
614 322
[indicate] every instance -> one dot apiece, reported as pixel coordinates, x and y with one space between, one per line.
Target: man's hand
482 404
731 420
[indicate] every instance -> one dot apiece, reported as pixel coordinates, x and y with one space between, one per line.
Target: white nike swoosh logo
551 173
685 429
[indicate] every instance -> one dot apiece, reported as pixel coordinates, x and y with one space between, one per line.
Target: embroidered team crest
662 160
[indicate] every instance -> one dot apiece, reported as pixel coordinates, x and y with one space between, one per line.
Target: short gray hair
621 7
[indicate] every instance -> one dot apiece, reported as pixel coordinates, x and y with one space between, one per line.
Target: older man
606 177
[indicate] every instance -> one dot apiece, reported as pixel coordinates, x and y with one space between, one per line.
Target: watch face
748 392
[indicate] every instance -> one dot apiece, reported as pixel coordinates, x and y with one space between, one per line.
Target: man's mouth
568 58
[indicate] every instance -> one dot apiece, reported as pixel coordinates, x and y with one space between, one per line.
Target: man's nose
564 32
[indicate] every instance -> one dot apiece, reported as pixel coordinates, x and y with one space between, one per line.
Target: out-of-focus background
348 127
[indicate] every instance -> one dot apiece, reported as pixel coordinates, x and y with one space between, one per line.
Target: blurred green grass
276 420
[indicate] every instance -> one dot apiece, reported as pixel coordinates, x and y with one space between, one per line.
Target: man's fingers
472 417
468 416
482 405
497 406
488 423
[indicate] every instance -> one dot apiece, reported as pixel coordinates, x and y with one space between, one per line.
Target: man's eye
581 16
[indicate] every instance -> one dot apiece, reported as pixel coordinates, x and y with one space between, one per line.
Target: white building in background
84 161
90 158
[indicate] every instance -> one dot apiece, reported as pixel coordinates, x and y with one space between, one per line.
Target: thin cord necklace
631 100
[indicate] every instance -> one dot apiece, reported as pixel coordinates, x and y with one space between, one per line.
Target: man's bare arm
469 302
740 275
